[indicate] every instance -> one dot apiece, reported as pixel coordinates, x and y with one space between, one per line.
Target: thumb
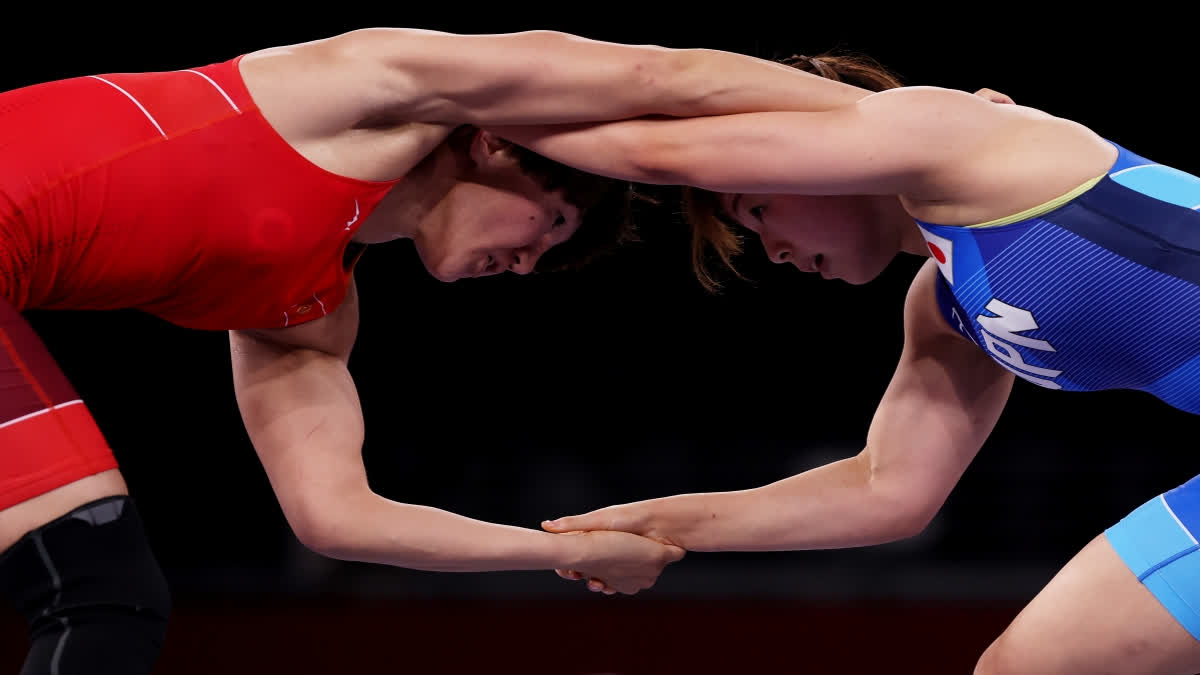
568 524
993 96
675 553
601 519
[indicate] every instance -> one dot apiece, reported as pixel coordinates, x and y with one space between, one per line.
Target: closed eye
757 212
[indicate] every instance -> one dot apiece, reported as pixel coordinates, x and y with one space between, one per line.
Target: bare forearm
832 506
713 82
331 509
307 427
609 149
548 77
373 529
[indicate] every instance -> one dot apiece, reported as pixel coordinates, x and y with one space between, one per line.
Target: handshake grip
617 557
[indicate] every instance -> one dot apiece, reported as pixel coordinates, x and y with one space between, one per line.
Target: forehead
728 205
533 189
552 203
730 202
528 189
733 203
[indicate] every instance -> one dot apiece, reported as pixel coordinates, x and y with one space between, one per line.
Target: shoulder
958 119
317 88
930 99
985 160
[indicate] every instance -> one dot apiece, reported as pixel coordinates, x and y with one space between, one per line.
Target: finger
568 524
674 553
570 575
596 585
607 518
993 96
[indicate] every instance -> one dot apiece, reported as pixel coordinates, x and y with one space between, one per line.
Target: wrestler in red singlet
163 192
172 194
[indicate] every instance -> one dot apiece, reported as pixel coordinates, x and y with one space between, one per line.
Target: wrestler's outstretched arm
302 412
387 76
940 406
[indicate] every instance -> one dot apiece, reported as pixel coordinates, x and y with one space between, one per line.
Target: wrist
568 551
682 520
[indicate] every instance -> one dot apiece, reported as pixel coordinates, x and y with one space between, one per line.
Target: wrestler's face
494 219
839 237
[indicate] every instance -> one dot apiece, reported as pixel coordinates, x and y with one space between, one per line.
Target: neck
404 211
907 234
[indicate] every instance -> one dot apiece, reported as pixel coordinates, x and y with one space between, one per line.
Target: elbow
322 530
684 75
901 504
319 537
900 512
889 521
654 158
909 521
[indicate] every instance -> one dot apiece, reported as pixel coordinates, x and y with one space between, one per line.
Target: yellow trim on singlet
1042 208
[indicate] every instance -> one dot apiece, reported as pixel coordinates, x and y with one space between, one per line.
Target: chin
865 276
441 270
861 277
452 275
443 273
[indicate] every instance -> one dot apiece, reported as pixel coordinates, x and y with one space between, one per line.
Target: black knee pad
95 597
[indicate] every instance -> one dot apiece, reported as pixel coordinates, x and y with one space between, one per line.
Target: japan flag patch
942 250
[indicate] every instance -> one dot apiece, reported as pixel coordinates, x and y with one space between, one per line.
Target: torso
1098 289
175 194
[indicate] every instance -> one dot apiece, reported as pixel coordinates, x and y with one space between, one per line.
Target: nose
524 261
778 251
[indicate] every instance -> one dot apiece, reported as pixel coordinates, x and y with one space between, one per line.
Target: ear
489 151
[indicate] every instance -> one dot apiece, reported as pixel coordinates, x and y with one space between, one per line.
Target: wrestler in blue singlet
1099 289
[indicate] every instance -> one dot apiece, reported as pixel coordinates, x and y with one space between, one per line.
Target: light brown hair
712 228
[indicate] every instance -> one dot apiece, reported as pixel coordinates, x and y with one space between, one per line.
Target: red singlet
169 193
165 192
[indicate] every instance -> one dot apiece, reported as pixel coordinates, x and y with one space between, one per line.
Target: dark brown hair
712 228
606 206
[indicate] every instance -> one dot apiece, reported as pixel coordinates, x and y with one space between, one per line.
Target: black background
516 399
